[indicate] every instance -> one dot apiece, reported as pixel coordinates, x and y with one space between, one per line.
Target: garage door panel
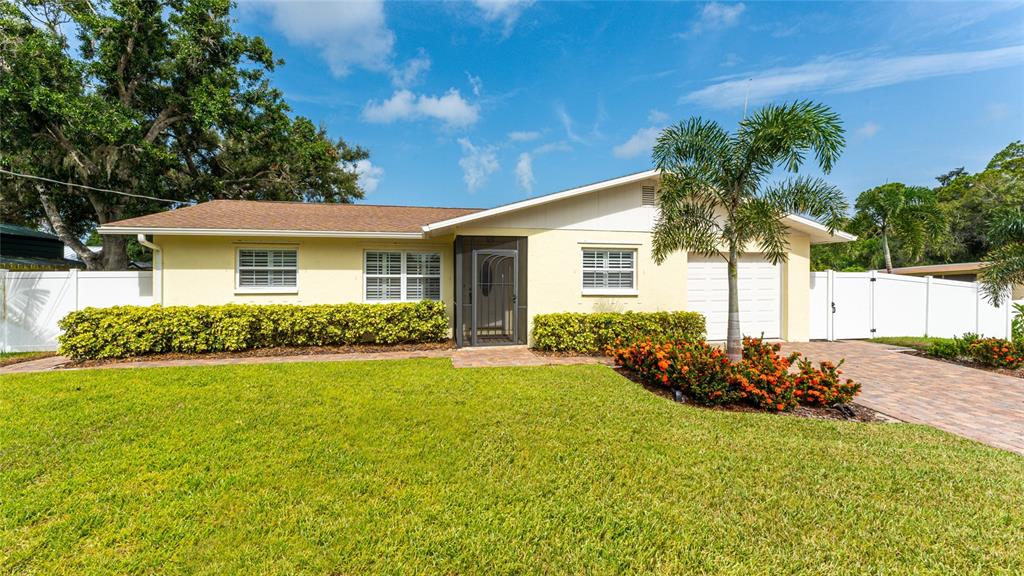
760 295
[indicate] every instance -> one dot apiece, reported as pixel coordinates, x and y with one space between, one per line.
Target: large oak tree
160 98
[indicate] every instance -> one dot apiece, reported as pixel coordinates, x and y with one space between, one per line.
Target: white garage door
760 284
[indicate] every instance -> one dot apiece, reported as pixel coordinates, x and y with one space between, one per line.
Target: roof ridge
299 202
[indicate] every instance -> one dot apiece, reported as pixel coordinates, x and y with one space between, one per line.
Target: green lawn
414 467
915 342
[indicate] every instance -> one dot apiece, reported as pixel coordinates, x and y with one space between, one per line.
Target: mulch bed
25 358
277 351
1018 373
860 413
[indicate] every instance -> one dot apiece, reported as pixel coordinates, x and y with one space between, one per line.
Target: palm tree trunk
885 250
734 345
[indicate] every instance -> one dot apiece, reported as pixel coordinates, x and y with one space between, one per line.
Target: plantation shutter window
609 271
267 269
402 276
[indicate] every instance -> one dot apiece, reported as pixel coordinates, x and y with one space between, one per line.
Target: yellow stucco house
586 249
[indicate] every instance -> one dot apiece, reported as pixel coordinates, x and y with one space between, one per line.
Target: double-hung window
267 270
609 271
402 276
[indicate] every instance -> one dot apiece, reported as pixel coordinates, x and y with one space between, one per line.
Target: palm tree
715 197
1006 261
910 213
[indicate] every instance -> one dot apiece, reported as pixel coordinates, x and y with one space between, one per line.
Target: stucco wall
201 270
796 290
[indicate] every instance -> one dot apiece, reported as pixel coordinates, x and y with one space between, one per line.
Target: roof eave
132 230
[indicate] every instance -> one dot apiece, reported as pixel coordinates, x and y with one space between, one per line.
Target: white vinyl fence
848 305
31 303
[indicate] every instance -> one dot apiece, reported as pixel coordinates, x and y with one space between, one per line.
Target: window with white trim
609 271
398 276
263 269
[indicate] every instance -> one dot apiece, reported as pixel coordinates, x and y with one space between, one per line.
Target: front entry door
494 295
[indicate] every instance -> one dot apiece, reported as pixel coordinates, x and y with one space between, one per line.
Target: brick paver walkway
984 406
491 356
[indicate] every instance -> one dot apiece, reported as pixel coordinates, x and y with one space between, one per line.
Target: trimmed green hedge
596 332
124 331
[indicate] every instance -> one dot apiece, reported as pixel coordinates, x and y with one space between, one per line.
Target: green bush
1018 323
948 349
599 331
124 331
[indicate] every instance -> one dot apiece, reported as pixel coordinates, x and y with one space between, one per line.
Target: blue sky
483 103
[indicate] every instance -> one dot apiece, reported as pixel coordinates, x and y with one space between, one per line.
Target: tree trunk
734 344
115 248
92 260
885 250
115 252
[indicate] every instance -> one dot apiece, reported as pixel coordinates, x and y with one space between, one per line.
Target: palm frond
783 134
759 221
690 225
1005 268
1008 226
810 196
696 144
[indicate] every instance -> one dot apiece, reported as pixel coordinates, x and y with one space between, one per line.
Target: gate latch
833 307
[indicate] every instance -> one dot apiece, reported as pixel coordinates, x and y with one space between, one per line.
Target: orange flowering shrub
997 353
700 370
762 378
822 386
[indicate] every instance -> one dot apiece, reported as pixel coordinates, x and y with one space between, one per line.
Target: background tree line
961 219
155 97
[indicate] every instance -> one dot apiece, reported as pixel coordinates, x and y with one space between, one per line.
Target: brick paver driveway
973 403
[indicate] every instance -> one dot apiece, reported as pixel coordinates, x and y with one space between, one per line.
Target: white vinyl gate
850 305
31 303
760 284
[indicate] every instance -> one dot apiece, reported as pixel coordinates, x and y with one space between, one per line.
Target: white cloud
524 172
717 16
849 75
450 108
566 120
476 84
641 142
523 136
657 116
869 129
507 11
369 175
346 33
412 72
477 163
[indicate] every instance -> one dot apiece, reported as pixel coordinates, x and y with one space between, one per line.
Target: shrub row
124 331
762 378
991 352
598 332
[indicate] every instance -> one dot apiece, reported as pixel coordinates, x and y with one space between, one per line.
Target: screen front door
494 296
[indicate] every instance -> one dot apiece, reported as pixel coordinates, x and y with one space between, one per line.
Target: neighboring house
27 249
586 249
964 271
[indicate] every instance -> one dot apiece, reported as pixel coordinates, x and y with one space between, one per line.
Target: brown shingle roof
294 216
